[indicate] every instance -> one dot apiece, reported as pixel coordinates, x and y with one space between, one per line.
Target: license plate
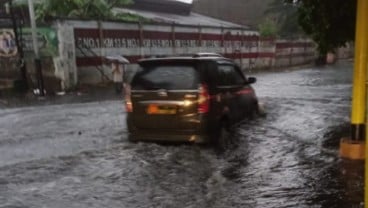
156 109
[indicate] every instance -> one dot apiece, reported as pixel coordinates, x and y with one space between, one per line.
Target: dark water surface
77 155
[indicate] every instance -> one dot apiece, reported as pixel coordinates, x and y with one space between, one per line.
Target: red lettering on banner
236 45
93 38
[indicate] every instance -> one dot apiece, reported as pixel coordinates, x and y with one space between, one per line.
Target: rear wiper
153 88
157 87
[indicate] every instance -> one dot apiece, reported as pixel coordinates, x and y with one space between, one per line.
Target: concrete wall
8 68
82 46
65 62
291 53
47 44
96 40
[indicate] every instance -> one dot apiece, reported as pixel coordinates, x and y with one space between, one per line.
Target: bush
268 29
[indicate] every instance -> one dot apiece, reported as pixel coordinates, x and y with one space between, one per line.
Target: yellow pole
354 147
362 17
361 62
360 71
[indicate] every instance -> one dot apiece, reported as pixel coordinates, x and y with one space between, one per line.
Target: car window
166 77
228 75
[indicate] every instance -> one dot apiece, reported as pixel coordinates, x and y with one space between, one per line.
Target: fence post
173 38
140 27
241 48
200 38
102 46
223 41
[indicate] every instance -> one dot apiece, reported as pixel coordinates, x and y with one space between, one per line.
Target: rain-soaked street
77 155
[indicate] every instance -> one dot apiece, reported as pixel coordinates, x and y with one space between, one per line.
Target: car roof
185 59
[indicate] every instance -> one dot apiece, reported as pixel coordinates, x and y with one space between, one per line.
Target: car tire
261 110
223 136
132 139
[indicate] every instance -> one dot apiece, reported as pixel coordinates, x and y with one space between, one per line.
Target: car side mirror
251 80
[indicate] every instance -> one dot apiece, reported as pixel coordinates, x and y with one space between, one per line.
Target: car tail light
203 99
128 99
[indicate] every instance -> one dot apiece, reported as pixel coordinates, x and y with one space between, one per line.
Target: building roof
182 7
190 19
184 1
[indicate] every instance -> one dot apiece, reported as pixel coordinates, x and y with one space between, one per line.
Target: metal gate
11 50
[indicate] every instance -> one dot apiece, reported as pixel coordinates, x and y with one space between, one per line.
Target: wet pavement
77 155
84 94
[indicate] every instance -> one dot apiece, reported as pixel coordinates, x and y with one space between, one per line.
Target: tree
268 28
330 23
285 15
84 9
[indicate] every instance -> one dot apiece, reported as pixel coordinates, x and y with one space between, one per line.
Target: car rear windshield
169 77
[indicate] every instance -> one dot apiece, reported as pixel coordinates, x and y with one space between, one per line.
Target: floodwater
77 155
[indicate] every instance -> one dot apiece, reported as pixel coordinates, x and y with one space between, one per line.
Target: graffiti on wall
46 38
152 39
8 46
134 44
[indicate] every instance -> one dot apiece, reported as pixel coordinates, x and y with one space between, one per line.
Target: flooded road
77 155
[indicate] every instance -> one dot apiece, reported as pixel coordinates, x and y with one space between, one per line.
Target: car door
221 89
235 93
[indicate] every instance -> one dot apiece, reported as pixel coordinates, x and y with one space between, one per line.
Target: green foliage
285 15
84 9
330 23
130 17
267 28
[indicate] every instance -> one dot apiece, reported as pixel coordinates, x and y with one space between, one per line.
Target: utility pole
37 60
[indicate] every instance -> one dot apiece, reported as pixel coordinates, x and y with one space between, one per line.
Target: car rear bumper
168 137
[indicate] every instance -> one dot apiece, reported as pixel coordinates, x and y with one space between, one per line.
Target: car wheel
132 139
223 136
261 109
253 113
